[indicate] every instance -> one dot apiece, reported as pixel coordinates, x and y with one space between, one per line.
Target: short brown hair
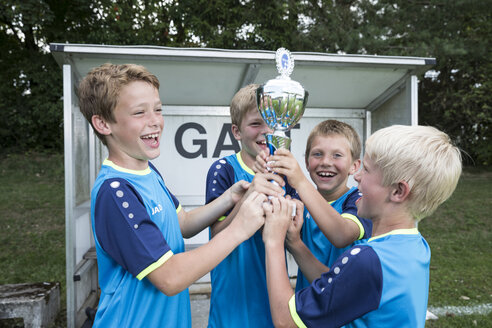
334 127
243 101
99 90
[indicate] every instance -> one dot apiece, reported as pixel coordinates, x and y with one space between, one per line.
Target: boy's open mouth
151 139
326 174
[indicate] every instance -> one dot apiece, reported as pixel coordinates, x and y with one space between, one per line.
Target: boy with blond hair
408 171
138 224
331 224
239 295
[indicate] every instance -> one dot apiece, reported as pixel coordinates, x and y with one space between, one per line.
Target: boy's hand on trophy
294 231
262 183
284 163
260 165
238 190
251 215
278 214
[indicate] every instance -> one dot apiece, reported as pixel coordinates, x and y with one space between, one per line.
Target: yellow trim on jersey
293 312
357 221
178 209
353 218
411 231
244 166
155 265
222 218
107 162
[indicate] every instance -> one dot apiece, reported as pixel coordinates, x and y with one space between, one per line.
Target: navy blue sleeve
289 190
124 229
220 177
350 208
351 288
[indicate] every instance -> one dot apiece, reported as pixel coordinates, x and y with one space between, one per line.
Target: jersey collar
243 165
412 231
107 162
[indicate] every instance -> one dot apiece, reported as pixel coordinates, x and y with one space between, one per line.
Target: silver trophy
281 102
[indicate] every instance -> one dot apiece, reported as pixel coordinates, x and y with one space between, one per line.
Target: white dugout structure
197 85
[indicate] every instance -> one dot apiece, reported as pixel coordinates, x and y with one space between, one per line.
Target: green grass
460 236
32 222
32 235
479 321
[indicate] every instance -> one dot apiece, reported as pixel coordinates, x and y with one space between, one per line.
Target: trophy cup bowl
281 102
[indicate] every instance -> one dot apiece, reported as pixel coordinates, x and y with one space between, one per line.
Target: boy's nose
326 160
156 119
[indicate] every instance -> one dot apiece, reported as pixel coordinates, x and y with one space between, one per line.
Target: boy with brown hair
138 224
331 224
239 295
408 171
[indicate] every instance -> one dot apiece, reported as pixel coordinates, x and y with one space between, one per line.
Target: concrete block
37 303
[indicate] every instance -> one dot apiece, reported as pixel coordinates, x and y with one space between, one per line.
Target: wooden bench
36 303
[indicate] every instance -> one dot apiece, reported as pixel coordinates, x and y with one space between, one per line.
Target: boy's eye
337 155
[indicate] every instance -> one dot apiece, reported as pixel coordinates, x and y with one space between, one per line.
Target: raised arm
278 218
182 269
199 218
339 230
310 266
261 184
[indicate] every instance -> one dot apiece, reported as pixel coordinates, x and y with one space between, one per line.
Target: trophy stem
277 140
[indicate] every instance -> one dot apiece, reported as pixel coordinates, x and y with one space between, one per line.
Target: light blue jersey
319 245
382 282
239 295
136 229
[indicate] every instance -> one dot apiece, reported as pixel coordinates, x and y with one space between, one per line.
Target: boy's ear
355 167
400 192
100 125
235 132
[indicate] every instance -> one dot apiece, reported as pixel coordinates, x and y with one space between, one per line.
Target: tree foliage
456 98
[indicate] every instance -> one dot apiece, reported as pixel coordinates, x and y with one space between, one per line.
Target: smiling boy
408 171
239 295
138 224
331 223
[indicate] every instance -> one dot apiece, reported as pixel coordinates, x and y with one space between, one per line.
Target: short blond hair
334 127
243 101
99 90
422 156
